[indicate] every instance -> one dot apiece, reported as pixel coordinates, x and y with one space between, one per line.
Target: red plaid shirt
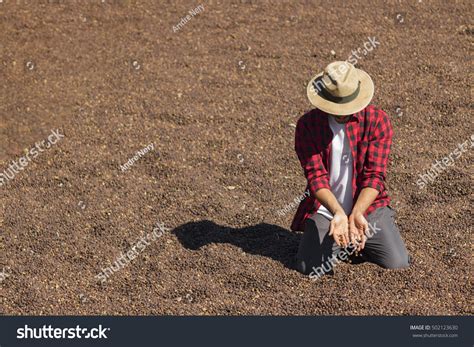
370 136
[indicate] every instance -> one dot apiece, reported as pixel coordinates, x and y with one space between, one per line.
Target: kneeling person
343 146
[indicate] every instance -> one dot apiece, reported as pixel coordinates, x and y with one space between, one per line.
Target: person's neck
341 119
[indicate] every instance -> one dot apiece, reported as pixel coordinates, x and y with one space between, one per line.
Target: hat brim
366 92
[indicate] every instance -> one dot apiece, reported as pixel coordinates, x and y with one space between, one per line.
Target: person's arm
309 156
366 197
338 228
328 200
373 177
318 179
378 150
358 225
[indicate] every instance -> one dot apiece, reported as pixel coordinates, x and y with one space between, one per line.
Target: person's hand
358 225
339 229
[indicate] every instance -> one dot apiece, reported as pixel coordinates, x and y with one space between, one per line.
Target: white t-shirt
340 170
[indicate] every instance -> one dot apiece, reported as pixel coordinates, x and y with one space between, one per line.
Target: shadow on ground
263 239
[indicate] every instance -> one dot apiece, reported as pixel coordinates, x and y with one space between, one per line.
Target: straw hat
341 89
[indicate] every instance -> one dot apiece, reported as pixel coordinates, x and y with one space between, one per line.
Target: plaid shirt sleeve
375 165
309 155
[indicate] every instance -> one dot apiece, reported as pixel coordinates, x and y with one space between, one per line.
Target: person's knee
302 268
310 250
314 271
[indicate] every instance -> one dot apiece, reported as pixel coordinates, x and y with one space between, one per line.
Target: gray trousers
383 247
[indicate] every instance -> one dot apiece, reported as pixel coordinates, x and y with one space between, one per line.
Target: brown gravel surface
219 99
